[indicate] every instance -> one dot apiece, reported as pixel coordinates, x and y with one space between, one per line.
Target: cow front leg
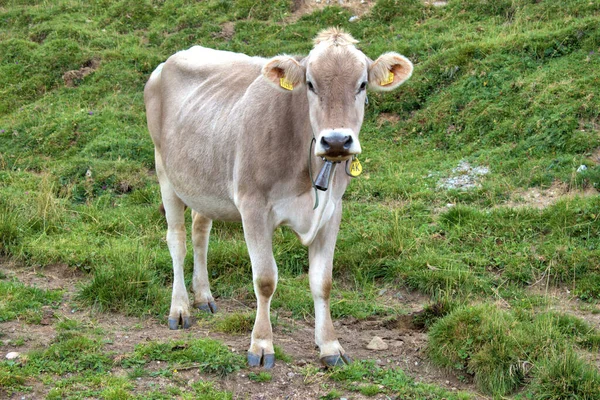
259 239
203 298
320 277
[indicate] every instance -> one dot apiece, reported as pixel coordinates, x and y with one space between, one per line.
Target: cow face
335 76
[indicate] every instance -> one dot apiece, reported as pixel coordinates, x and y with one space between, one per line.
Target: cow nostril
325 144
348 142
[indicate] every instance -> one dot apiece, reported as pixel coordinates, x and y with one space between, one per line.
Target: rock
353 18
13 355
377 343
582 168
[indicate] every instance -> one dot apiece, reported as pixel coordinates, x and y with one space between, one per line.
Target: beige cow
232 135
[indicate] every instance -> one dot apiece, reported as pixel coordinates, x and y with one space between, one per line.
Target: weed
260 377
281 355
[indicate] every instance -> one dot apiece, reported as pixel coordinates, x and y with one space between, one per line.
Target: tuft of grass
10 380
281 355
497 348
566 376
236 323
260 377
433 312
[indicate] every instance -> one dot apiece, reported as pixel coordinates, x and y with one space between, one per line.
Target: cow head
335 76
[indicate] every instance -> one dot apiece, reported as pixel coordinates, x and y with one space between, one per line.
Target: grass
367 378
509 85
205 354
501 350
23 302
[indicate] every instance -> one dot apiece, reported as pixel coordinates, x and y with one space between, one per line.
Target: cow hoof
210 307
266 361
336 360
184 322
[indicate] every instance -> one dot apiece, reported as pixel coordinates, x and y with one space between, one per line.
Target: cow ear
389 71
284 72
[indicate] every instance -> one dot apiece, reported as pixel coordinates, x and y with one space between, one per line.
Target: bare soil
296 337
542 198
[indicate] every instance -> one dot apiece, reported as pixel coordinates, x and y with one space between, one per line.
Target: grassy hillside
509 85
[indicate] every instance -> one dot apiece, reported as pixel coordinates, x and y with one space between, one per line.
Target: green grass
502 349
367 378
24 302
260 377
205 354
510 85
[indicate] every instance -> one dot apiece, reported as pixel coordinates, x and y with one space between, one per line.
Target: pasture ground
471 243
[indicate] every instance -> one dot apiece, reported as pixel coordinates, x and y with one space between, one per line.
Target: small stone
377 343
581 168
291 374
382 292
13 355
353 18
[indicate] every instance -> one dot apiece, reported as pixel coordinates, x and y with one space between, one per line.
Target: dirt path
295 337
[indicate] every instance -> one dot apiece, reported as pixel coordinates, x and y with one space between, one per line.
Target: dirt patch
227 31
304 7
542 198
73 78
406 344
435 3
595 157
389 118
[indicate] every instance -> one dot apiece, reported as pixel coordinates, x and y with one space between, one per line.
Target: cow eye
363 86
310 86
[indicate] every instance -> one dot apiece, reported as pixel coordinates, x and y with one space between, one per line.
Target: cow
241 138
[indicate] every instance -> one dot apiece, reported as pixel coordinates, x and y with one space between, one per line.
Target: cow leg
320 255
203 298
259 239
174 211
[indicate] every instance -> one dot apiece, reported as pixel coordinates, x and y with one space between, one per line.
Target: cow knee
265 286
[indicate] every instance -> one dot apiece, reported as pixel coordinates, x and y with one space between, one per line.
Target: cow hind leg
203 298
179 315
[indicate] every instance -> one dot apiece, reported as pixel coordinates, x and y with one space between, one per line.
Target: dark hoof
210 307
175 323
336 360
266 361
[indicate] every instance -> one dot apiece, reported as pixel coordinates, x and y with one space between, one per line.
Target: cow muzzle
337 145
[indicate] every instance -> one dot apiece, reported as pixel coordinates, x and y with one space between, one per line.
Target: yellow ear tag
355 168
389 79
284 83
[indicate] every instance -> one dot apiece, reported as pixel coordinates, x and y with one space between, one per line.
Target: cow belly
213 207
